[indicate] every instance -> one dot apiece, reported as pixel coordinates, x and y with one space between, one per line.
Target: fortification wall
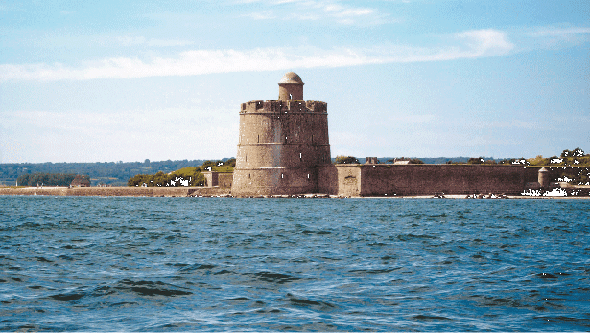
225 179
211 178
350 180
328 179
387 179
378 180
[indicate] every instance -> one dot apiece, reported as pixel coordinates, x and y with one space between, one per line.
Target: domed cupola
291 87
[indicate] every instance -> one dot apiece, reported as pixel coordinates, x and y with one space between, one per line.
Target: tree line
187 176
109 173
47 179
583 178
576 157
192 177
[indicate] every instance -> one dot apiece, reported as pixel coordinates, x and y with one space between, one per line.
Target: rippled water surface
176 264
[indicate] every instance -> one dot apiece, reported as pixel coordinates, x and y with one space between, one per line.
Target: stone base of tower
274 181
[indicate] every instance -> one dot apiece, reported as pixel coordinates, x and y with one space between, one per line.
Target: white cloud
413 119
557 37
550 31
486 42
319 10
140 40
471 44
263 15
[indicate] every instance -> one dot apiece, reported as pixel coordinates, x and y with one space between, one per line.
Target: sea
225 264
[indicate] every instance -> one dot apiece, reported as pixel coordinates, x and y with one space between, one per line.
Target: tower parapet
282 143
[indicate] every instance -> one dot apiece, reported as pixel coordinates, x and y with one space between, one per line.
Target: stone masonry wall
422 179
386 179
281 145
225 179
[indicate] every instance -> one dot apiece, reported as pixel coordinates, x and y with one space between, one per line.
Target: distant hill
110 173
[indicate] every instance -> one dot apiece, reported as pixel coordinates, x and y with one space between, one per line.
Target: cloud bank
470 44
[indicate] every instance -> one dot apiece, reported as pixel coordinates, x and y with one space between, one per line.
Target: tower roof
291 78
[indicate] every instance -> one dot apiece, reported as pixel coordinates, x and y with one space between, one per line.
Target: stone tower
282 143
543 177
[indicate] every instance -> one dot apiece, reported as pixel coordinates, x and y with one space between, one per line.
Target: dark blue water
177 264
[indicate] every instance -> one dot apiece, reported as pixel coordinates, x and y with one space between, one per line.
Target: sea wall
118 191
448 179
225 179
358 180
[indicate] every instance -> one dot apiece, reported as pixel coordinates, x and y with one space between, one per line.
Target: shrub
346 160
474 160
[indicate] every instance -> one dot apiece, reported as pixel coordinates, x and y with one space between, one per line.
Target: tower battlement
280 106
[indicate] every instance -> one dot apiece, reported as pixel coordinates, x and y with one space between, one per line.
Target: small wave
275 277
546 276
407 237
196 267
581 321
152 288
430 318
309 303
223 271
374 271
67 297
123 304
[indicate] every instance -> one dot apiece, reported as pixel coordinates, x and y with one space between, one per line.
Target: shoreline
226 192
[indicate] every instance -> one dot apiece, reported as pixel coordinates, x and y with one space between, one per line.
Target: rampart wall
449 179
225 179
386 179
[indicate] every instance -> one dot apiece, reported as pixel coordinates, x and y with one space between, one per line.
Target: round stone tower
282 143
543 177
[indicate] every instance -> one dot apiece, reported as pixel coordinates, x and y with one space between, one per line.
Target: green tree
231 162
346 160
46 179
583 178
474 160
197 179
578 152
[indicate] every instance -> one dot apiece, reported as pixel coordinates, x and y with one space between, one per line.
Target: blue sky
101 81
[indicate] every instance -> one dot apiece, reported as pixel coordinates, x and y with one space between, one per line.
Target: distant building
80 181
